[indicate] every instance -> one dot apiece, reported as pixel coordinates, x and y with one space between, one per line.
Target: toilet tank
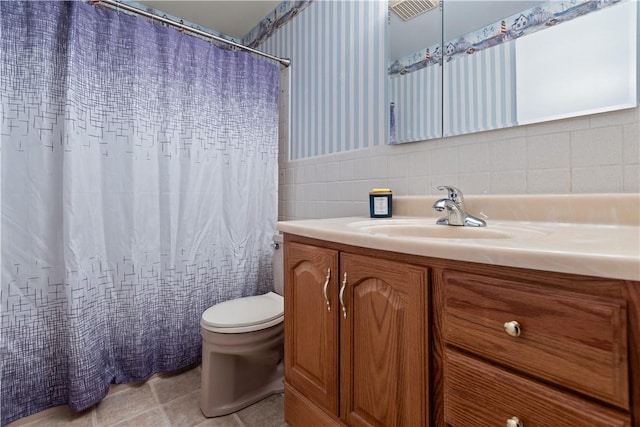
278 264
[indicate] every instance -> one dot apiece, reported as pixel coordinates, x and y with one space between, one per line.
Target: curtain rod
284 61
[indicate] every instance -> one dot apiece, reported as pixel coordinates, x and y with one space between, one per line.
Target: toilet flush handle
324 289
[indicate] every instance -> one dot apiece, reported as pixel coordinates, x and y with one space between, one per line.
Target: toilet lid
245 312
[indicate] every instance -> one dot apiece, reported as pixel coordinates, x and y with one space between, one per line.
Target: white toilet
243 347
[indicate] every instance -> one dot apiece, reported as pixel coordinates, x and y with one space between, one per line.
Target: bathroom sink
437 231
422 228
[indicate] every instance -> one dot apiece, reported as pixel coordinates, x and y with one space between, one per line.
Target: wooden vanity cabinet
526 348
355 339
383 342
480 394
433 342
311 326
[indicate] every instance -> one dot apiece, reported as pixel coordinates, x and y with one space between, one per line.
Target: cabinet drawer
573 340
477 394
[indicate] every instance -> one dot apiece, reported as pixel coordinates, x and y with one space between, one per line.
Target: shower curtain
138 188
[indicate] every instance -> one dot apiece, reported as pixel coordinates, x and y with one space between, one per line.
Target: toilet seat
246 314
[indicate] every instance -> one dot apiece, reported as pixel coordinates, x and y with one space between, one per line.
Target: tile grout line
94 415
238 419
121 422
159 405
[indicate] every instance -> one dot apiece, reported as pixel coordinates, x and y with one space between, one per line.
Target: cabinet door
311 326
383 343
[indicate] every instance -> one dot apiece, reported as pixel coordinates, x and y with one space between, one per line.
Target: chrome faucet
456 213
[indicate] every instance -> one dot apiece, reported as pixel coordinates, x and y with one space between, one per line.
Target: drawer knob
514 422
513 329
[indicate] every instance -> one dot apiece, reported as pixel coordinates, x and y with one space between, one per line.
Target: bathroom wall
589 154
338 76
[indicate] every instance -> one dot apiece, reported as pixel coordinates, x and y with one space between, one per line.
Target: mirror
577 82
415 74
498 69
478 76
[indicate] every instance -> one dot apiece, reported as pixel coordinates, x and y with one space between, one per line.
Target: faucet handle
454 194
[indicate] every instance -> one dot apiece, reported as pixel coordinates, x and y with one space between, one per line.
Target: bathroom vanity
532 323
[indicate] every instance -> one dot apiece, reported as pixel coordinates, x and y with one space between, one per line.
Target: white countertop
608 248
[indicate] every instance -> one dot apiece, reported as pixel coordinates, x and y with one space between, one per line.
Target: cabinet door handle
344 285
513 328
324 289
514 422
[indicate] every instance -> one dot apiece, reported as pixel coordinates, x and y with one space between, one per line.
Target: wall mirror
415 71
498 68
479 82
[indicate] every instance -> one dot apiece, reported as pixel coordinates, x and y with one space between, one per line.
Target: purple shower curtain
138 188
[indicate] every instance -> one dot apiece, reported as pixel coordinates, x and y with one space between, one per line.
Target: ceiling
230 17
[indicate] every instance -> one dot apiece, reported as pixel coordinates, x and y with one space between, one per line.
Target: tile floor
163 400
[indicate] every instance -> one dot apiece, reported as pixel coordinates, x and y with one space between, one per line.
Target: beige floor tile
63 416
170 387
153 418
124 405
117 388
185 411
227 421
137 406
268 412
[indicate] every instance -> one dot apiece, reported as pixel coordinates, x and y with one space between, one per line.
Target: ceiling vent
408 9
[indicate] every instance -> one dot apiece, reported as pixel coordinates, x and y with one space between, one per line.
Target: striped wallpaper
480 91
338 76
417 97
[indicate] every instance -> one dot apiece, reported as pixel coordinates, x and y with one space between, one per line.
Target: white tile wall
549 151
596 147
631 179
598 179
630 144
549 181
591 154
